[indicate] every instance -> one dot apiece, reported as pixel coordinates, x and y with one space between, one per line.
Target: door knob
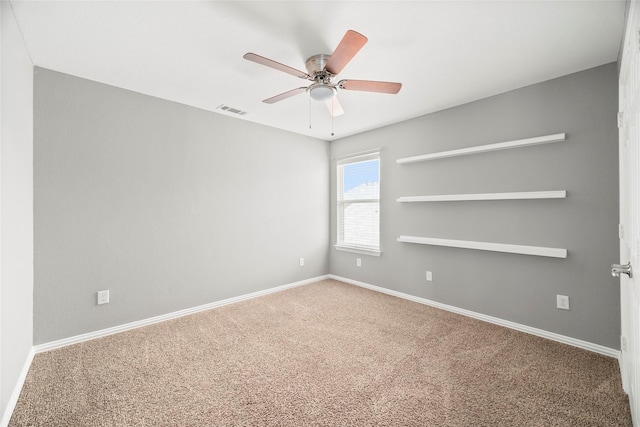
617 269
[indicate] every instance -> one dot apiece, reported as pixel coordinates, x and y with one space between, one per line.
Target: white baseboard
495 320
121 328
13 399
607 351
145 322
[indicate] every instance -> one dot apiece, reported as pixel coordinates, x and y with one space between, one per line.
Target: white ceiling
445 53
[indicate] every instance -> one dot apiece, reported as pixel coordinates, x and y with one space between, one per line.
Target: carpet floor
324 354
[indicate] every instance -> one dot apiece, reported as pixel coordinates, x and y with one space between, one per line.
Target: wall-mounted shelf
486 246
559 194
486 148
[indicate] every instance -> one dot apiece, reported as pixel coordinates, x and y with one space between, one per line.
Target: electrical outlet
562 302
429 276
103 297
301 262
358 262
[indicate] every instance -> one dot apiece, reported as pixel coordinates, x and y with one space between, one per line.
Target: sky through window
359 173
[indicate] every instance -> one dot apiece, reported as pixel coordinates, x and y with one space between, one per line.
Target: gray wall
167 206
518 288
170 207
16 201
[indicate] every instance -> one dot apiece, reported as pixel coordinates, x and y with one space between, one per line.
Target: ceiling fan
322 68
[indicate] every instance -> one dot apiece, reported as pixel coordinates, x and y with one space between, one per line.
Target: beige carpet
325 354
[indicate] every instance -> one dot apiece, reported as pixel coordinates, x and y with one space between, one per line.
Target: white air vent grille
231 110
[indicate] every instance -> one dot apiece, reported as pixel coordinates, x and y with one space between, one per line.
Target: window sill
363 251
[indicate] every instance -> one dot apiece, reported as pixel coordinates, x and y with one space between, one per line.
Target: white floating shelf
559 194
485 246
486 148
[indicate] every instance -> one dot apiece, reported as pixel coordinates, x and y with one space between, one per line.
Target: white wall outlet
429 276
358 262
301 262
103 297
562 302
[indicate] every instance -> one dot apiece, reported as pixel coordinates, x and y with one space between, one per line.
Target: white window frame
340 202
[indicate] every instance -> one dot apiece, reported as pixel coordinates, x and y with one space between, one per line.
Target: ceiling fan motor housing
315 64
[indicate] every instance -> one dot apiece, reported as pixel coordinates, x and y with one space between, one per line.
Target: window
358 204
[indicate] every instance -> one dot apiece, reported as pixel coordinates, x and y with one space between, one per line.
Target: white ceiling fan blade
334 107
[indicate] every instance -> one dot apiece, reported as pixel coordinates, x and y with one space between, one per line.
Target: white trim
486 148
349 201
559 194
358 154
487 246
361 158
9 408
13 399
585 345
2 143
145 322
363 251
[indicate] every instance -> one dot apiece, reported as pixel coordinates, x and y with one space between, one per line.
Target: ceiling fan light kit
321 91
322 68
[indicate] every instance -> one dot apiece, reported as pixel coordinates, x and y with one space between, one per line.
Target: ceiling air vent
231 110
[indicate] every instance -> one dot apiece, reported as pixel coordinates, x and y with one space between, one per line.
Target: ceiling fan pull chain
309 112
332 115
